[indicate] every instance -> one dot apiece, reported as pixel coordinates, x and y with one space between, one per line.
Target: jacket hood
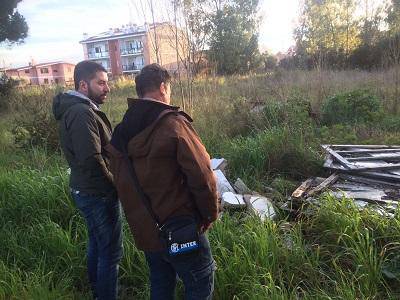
140 116
63 101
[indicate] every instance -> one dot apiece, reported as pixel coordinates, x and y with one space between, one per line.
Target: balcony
133 51
132 68
98 55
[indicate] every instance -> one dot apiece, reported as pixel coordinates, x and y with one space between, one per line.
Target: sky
57 26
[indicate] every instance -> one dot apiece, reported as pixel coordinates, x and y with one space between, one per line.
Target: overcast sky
57 26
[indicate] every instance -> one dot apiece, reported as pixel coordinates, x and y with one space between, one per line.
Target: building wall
115 57
85 51
66 73
44 75
133 61
166 42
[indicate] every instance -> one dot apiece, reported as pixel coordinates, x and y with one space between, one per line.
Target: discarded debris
368 174
241 187
240 196
262 207
223 184
230 199
218 164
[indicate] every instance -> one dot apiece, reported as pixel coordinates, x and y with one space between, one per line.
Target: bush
38 130
294 112
358 106
277 151
6 86
33 119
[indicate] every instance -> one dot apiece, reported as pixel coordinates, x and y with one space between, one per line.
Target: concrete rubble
239 196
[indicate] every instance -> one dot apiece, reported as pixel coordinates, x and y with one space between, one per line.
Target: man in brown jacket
173 170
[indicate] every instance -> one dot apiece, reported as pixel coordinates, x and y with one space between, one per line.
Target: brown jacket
173 168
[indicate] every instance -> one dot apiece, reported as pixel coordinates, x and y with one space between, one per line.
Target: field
269 128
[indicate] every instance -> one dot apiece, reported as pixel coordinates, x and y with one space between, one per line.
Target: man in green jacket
84 132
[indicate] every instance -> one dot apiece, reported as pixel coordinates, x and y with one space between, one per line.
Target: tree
13 27
328 31
393 17
370 53
234 36
269 61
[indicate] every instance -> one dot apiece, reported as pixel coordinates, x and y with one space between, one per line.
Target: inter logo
176 248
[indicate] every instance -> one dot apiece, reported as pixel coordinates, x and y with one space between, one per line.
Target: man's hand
205 226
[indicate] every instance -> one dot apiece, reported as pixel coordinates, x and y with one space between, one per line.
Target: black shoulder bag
179 234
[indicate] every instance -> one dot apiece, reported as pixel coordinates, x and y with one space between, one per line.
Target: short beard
93 97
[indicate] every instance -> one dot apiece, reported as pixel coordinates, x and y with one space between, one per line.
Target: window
44 70
46 81
56 80
55 71
97 49
27 71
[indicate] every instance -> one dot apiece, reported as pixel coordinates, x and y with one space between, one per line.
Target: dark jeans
103 219
195 270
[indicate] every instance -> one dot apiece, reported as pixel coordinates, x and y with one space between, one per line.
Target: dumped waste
367 174
239 196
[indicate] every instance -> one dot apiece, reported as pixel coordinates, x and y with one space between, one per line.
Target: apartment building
128 49
61 73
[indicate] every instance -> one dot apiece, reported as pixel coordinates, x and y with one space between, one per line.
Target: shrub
358 106
295 111
277 151
6 86
38 130
33 119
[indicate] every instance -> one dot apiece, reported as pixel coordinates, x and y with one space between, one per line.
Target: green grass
337 252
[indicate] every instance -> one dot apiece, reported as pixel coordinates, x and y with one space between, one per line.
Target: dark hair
150 78
86 70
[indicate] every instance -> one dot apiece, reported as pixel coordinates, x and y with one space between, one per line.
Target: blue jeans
103 219
195 270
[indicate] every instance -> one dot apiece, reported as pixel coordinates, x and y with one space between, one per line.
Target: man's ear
163 88
83 86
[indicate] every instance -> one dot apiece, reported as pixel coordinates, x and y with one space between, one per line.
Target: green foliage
355 107
338 252
295 112
234 36
13 27
34 124
38 130
6 86
276 151
337 34
269 61
328 25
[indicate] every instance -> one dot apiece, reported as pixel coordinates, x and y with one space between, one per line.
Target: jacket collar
133 100
93 104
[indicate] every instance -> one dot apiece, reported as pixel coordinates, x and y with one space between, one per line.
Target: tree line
334 34
343 34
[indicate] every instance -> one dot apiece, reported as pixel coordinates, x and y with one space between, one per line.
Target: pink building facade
126 50
60 73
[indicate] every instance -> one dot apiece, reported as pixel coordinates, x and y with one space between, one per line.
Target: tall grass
337 252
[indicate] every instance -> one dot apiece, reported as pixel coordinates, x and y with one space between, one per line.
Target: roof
40 65
116 33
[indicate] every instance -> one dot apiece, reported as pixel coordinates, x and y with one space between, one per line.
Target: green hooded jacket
84 132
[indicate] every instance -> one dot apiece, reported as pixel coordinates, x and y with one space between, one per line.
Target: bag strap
142 195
